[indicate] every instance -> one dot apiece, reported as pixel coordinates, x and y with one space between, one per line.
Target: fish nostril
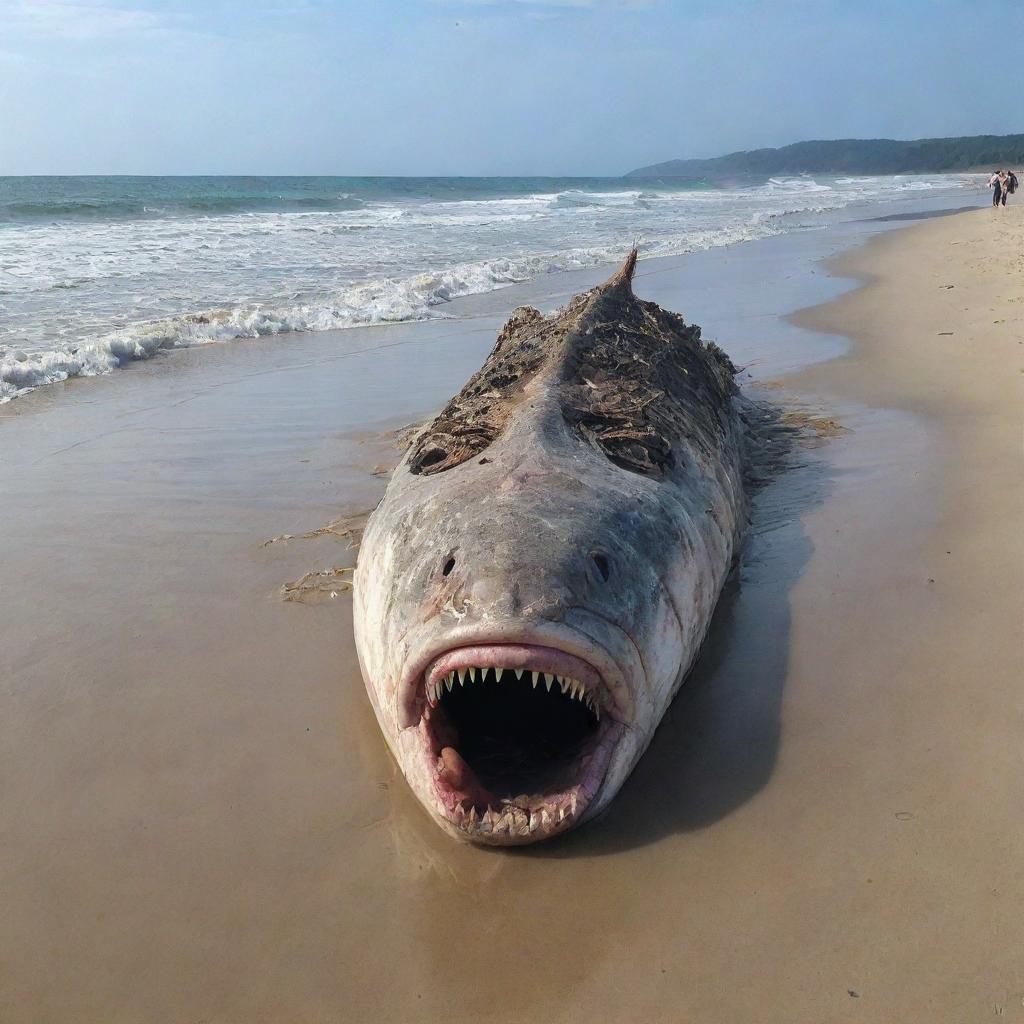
448 566
601 562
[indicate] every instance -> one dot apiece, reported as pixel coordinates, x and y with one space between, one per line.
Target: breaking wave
100 209
375 302
106 273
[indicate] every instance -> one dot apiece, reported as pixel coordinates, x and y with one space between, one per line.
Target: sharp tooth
548 680
572 801
534 820
449 682
561 813
519 672
473 816
579 691
564 684
545 818
533 676
498 673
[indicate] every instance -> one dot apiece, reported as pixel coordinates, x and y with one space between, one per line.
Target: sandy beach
198 816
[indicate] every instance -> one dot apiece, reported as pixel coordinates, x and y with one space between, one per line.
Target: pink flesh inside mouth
518 738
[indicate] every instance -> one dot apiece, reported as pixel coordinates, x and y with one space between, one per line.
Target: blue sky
485 86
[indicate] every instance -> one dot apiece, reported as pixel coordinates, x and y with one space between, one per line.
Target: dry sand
199 821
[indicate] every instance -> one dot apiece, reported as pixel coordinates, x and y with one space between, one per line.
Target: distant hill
853 156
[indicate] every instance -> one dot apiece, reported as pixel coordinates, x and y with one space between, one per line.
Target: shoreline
707 272
939 339
356 303
201 817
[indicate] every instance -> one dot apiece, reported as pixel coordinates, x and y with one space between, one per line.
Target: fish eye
632 445
601 562
448 566
426 459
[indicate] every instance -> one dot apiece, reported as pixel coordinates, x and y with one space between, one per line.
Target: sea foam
90 283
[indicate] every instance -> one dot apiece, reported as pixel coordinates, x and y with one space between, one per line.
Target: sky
476 87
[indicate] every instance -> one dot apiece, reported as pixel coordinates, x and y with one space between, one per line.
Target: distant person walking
995 183
1003 183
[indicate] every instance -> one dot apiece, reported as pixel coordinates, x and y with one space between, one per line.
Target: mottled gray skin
607 429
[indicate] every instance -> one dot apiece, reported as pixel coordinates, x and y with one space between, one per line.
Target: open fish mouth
518 739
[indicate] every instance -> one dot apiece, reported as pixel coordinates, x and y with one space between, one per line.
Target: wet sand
199 818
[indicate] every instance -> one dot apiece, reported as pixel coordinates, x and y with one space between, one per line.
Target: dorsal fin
624 275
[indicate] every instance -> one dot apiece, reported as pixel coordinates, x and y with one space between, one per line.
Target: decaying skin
537 581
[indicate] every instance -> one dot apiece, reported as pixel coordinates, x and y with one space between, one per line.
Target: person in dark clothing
1003 183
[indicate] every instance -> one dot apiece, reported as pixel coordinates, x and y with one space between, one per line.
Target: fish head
521 603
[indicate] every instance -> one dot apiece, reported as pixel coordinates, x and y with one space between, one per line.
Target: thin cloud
56 19
593 5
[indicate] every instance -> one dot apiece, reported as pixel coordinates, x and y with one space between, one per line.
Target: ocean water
96 272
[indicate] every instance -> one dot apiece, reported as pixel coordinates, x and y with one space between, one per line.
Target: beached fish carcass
537 581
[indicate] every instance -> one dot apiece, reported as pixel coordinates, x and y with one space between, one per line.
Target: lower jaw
470 811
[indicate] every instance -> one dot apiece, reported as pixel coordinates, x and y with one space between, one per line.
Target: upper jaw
547 666
605 677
